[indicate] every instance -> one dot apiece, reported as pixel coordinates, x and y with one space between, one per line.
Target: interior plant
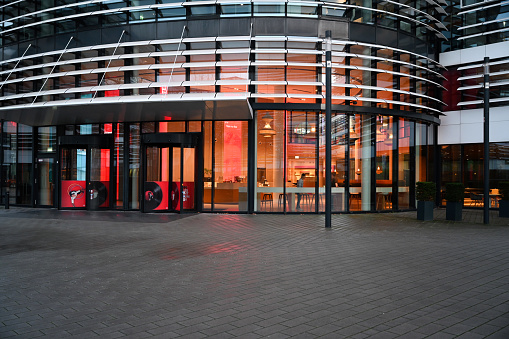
503 204
454 194
425 193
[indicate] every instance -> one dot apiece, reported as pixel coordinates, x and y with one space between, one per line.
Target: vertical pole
2 183
213 190
181 196
328 123
486 140
34 189
251 170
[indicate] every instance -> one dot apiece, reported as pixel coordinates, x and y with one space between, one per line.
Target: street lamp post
328 123
486 82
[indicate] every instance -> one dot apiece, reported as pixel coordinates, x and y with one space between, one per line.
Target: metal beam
328 129
486 140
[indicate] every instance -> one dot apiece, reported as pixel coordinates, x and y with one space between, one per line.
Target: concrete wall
466 126
475 54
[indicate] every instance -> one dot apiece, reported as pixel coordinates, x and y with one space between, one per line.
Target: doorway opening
86 173
171 163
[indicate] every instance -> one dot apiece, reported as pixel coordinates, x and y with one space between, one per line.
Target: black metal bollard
6 200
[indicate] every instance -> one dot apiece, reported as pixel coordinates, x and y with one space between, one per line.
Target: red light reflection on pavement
193 250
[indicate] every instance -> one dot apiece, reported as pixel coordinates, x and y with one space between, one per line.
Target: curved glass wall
376 161
286 70
384 97
25 20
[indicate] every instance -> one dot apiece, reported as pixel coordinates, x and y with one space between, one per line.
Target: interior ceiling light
267 131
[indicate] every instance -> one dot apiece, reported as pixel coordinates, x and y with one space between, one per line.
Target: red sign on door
73 193
187 195
156 196
99 193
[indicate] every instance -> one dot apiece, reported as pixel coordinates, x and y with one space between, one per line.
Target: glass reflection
405 144
301 159
270 161
384 162
230 166
339 130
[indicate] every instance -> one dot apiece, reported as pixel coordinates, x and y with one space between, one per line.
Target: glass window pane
405 143
142 16
270 161
300 10
175 185
384 160
339 129
171 13
99 184
73 177
47 138
237 9
230 166
360 162
203 10
188 182
499 171
119 160
207 165
134 165
9 165
421 152
25 165
301 148
269 9
172 127
45 183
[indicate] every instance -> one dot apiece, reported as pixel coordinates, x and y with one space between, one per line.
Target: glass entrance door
169 183
85 177
73 175
156 193
188 183
99 183
44 181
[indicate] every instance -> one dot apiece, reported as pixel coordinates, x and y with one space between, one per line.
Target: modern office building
477 30
219 106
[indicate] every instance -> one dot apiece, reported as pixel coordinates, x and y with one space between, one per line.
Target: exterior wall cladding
220 104
477 30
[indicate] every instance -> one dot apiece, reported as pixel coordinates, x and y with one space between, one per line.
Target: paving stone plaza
127 274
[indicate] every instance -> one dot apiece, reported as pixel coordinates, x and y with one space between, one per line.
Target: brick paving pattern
127 274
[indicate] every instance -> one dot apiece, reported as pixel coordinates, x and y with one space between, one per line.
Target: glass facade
363 173
475 25
362 178
230 166
464 163
161 106
472 23
43 18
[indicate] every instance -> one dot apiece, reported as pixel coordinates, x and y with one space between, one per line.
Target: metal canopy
106 110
